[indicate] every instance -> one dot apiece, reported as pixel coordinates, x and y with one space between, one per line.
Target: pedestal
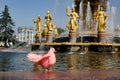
49 37
72 37
38 38
101 37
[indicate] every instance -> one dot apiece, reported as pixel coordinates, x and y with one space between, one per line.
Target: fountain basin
92 46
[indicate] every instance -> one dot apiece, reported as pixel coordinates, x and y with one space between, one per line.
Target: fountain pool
17 61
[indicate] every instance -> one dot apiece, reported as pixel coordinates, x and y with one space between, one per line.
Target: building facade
26 35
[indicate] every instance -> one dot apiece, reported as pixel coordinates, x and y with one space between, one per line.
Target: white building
26 35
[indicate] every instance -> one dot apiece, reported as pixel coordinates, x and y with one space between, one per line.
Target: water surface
17 61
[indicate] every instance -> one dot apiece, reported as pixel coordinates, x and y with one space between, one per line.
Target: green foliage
6 24
60 30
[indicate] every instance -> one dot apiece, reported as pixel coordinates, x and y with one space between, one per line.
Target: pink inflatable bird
45 60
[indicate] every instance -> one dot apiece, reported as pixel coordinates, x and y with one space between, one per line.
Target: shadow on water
14 61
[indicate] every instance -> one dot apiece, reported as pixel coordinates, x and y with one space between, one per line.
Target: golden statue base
72 37
49 37
101 36
38 38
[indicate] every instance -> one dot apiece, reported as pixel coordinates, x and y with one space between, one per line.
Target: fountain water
111 12
55 9
108 21
88 18
87 38
90 25
81 17
87 24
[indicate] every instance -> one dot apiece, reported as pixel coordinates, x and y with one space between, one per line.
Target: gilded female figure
72 24
100 18
38 23
48 25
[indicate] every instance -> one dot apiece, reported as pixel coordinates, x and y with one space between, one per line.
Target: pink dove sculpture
45 60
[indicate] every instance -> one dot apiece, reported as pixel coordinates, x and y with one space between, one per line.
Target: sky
24 11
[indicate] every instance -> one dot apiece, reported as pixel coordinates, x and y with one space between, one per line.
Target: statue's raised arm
72 25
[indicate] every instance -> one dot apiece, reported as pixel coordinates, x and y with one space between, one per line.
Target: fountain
88 18
81 16
84 64
95 26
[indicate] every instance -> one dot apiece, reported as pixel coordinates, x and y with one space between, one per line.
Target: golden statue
72 24
38 23
48 25
100 18
45 30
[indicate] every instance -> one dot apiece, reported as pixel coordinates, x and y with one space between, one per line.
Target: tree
60 30
6 24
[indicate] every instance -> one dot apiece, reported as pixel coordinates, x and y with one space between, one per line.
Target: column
72 36
49 37
101 37
18 34
29 36
32 35
22 35
25 35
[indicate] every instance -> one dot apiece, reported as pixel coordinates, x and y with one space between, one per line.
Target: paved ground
62 75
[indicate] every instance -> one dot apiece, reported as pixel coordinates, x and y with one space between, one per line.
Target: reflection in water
72 61
75 60
15 61
115 56
6 61
96 62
